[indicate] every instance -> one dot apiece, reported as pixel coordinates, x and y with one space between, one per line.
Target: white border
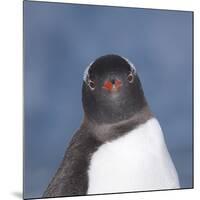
11 97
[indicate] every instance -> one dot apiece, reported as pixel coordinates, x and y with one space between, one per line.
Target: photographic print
108 99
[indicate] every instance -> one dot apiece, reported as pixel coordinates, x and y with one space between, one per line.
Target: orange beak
112 86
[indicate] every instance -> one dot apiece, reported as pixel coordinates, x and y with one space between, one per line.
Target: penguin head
111 90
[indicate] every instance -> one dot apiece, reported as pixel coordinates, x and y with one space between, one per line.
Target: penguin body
137 161
120 145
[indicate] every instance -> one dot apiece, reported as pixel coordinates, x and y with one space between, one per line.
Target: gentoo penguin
119 146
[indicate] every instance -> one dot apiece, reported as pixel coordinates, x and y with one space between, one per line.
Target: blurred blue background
60 40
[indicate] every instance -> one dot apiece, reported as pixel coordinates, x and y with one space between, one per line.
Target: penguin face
111 89
110 76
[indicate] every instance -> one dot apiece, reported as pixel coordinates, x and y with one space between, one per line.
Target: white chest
137 161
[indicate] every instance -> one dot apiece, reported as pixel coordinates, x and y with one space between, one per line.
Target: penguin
120 146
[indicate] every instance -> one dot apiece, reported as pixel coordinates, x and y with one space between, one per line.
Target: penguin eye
91 84
130 78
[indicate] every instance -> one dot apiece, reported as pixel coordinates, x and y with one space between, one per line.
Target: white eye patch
131 64
85 74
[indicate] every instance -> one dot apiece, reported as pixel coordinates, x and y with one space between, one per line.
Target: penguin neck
109 131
